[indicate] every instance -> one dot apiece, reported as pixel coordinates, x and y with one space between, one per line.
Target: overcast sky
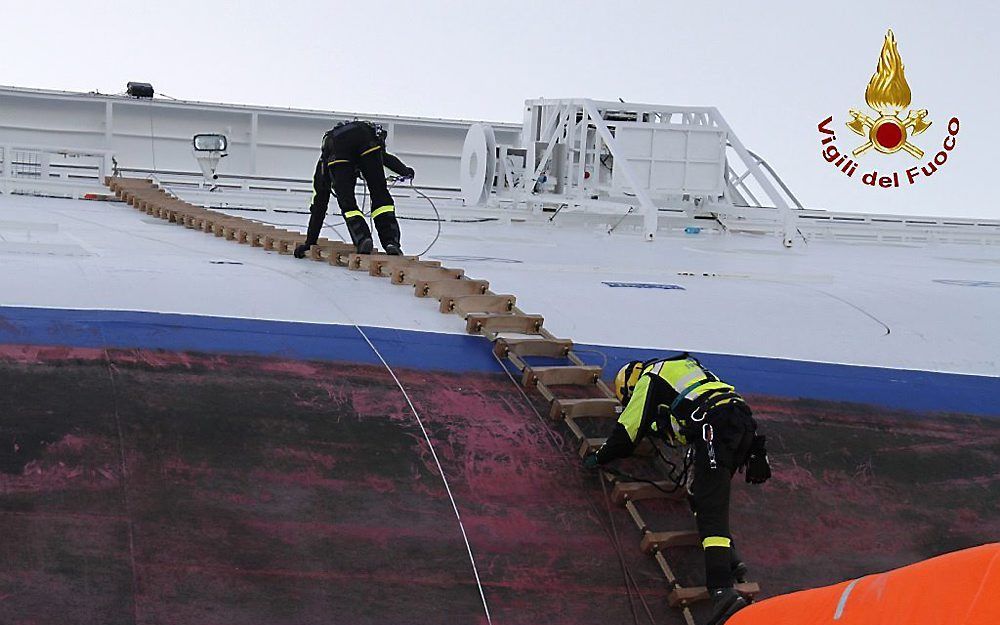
774 69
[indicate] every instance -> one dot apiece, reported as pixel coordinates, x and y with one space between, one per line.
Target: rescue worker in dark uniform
351 148
685 404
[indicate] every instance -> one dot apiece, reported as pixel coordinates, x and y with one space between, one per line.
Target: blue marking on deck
644 285
978 283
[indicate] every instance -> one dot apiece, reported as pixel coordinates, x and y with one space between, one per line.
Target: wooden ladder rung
275 240
164 211
557 376
683 597
383 266
256 236
447 287
362 262
231 232
358 262
242 234
484 323
208 223
542 347
465 304
323 251
342 257
580 408
656 541
145 204
154 206
589 445
638 491
407 275
288 245
196 221
137 195
221 227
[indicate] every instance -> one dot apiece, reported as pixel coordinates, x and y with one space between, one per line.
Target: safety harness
704 407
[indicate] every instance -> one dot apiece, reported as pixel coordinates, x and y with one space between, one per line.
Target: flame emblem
889 93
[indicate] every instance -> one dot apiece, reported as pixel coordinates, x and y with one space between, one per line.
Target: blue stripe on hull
894 388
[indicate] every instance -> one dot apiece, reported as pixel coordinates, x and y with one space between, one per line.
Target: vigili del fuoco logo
888 134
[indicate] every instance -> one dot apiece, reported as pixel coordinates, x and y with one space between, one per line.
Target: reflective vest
684 390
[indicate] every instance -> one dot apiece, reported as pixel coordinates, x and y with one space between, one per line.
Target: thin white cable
447 487
454 506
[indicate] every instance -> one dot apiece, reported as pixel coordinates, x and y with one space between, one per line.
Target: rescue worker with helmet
685 404
350 148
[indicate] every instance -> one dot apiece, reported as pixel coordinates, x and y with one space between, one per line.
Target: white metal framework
63 144
581 153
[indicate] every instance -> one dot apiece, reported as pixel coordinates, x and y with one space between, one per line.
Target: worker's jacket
672 398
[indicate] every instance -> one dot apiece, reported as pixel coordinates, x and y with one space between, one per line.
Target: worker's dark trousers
733 433
383 209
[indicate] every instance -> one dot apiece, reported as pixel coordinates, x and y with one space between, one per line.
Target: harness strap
714 401
680 396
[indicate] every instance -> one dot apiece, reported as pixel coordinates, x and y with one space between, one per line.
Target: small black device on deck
139 89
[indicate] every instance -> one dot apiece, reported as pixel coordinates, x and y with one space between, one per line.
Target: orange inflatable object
960 588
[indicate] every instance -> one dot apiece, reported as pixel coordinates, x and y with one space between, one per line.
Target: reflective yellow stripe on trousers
353 214
381 210
716 541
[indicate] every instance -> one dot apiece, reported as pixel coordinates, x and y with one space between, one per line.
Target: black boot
365 246
388 233
739 572
361 235
725 603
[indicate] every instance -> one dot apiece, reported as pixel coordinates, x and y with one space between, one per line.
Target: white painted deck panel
825 301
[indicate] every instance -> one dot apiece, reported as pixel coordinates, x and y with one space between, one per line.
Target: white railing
53 171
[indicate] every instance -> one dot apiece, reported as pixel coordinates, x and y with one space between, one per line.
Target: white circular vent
479 162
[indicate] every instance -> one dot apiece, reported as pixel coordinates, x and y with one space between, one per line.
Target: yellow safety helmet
627 378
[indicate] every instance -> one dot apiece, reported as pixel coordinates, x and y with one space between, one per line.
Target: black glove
300 251
590 461
758 467
409 173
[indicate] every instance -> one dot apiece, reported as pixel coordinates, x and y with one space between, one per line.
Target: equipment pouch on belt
757 466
